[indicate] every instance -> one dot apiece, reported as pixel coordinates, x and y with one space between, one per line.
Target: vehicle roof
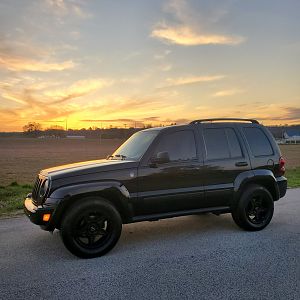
165 127
199 124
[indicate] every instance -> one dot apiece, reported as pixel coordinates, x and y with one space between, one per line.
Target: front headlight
43 189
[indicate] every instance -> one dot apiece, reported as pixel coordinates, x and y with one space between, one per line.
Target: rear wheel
91 228
255 208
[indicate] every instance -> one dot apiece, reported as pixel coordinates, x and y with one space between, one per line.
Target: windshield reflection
135 147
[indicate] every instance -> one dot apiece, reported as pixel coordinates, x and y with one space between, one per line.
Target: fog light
46 217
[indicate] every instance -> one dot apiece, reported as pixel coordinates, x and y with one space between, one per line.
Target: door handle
241 164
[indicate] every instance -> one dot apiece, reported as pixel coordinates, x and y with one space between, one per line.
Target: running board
155 217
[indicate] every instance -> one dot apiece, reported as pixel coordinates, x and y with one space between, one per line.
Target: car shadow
138 235
175 228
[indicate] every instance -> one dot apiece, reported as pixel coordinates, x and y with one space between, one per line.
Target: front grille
35 192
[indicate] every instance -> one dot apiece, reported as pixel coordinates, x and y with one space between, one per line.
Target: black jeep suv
212 165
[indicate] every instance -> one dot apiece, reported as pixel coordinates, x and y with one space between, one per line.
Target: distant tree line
33 129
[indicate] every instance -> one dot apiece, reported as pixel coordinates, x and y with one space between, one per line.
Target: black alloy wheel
92 230
91 227
258 209
254 210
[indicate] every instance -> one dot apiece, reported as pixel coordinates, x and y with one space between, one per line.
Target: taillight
281 166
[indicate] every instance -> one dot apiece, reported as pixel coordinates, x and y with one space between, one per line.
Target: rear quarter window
258 141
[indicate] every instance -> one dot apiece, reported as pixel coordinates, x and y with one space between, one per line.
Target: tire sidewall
241 216
72 217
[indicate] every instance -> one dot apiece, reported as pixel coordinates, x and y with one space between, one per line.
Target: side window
221 143
258 141
216 143
233 142
180 145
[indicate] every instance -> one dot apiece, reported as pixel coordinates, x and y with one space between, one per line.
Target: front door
175 185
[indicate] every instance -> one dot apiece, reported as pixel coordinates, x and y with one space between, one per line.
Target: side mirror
161 158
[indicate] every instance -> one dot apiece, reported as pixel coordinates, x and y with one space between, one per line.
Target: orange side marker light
46 217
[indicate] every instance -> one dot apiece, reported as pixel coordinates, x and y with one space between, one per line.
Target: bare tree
32 128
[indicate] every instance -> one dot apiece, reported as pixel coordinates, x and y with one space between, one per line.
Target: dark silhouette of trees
32 126
55 131
56 127
32 129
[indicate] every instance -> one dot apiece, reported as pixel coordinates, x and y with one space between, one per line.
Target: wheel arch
261 177
112 192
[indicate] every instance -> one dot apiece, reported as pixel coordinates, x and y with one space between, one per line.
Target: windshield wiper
121 156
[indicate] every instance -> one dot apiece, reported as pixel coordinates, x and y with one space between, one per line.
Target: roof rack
224 119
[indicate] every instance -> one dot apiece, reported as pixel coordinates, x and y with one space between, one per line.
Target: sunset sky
101 63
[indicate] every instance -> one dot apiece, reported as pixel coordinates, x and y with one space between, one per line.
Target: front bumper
282 185
36 213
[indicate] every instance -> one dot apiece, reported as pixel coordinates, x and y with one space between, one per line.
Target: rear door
225 157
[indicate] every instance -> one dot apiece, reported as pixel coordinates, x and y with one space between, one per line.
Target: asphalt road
195 257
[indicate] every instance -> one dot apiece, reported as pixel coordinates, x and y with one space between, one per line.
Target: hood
87 167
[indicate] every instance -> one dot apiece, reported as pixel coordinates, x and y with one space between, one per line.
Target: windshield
135 147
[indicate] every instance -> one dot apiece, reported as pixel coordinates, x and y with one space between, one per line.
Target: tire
91 228
255 208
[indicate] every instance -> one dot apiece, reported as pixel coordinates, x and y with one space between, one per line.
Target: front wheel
91 228
255 208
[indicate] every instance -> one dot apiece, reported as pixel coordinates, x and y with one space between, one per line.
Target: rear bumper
282 185
36 213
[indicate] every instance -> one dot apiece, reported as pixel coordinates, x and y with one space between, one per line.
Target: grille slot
35 192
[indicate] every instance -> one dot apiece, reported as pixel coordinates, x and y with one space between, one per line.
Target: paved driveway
194 257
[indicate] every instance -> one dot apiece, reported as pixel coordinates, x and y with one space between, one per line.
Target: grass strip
12 197
293 176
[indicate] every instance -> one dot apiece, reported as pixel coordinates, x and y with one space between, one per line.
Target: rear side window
233 142
180 145
221 143
216 143
258 142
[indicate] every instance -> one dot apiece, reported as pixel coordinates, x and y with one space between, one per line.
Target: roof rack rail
224 119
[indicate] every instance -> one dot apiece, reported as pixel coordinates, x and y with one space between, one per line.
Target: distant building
48 136
277 132
75 137
291 136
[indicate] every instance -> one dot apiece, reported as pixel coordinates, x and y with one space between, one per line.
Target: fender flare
260 176
113 191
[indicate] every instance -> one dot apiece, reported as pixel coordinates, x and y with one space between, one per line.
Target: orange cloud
191 79
269 113
27 64
13 98
225 93
78 89
184 35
